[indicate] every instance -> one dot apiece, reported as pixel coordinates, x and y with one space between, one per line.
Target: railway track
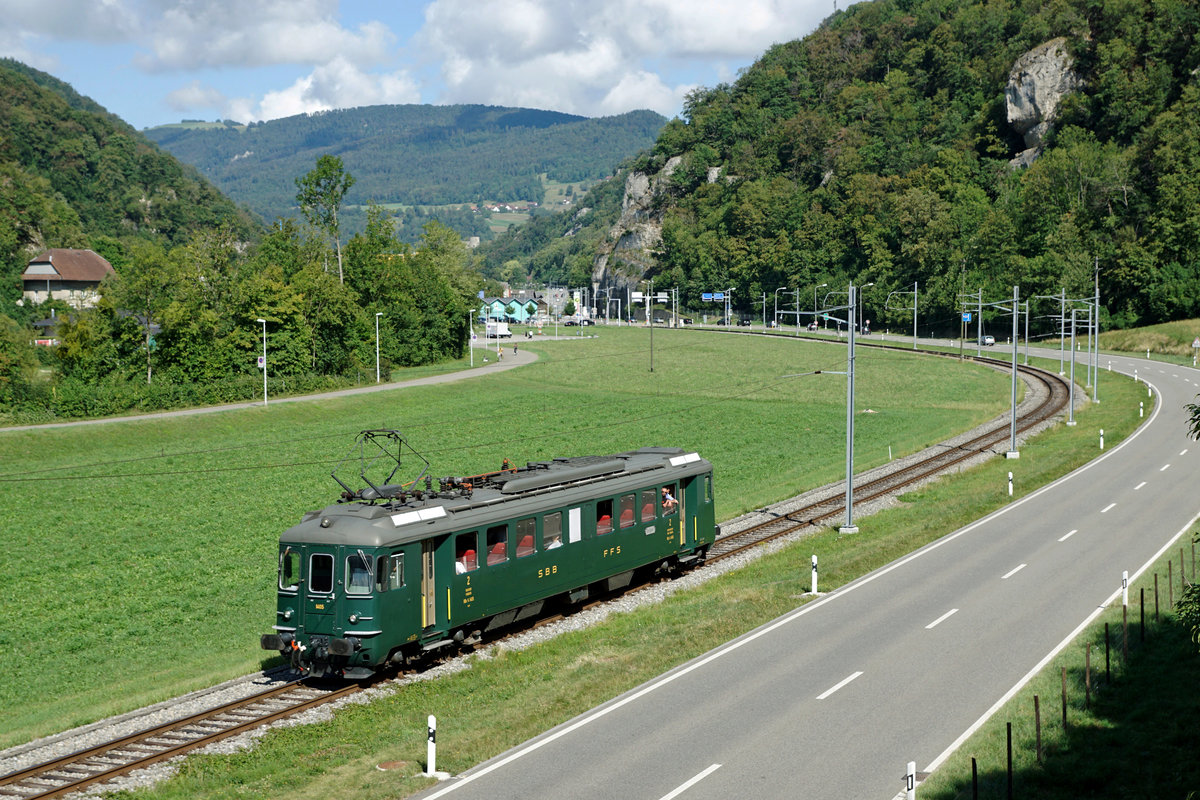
104 762
1053 392
79 770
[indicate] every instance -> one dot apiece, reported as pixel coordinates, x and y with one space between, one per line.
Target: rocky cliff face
628 250
1036 85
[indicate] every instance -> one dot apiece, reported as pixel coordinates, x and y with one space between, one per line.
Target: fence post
1010 771
1064 695
1087 678
1037 724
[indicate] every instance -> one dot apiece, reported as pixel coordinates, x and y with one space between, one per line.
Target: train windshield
358 574
289 569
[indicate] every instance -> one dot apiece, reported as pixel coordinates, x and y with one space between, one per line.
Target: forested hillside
197 284
412 154
73 175
877 150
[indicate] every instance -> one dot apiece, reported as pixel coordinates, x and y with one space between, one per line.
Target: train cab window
466 549
604 510
389 572
626 511
289 570
358 575
526 531
497 544
708 488
647 504
670 499
320 574
552 531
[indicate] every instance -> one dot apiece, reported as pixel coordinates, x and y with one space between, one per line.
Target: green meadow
510 696
138 556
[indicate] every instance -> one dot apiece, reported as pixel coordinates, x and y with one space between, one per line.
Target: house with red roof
63 274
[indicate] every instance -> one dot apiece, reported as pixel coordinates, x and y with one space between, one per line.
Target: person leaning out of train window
668 502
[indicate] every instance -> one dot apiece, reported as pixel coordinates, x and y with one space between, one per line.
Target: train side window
708 488
626 510
320 574
389 572
526 531
647 503
670 499
552 531
497 544
466 550
604 510
289 570
358 575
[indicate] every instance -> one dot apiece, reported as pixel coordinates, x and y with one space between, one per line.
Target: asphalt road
833 699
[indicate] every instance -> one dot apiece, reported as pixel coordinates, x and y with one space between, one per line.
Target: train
397 571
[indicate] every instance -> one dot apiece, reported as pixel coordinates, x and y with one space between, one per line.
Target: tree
143 286
320 198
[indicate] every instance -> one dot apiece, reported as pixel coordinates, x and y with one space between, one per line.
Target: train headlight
353 618
287 614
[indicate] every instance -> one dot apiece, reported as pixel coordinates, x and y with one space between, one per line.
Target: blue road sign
966 316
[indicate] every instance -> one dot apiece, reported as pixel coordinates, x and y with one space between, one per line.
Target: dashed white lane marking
1013 572
1069 535
1140 485
1164 467
1107 508
941 619
833 689
689 784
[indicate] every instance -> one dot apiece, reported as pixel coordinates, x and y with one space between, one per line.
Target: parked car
586 322
744 323
812 326
987 341
721 321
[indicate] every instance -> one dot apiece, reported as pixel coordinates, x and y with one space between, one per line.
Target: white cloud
338 84
79 20
594 57
191 35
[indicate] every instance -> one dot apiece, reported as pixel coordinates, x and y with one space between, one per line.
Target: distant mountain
411 154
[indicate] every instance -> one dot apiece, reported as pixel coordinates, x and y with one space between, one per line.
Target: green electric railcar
395 571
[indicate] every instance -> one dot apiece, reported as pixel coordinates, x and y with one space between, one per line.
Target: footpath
486 363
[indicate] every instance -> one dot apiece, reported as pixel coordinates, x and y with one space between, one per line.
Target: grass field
139 556
503 700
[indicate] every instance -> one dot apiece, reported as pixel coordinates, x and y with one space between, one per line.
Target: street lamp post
777 291
264 360
378 314
822 286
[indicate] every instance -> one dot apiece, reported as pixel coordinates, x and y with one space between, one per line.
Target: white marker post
1125 588
431 748
910 781
1102 438
1010 484
1141 409
814 573
431 753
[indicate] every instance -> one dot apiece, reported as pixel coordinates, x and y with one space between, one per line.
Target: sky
154 62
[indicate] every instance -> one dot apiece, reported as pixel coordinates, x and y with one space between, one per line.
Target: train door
320 599
428 585
685 487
